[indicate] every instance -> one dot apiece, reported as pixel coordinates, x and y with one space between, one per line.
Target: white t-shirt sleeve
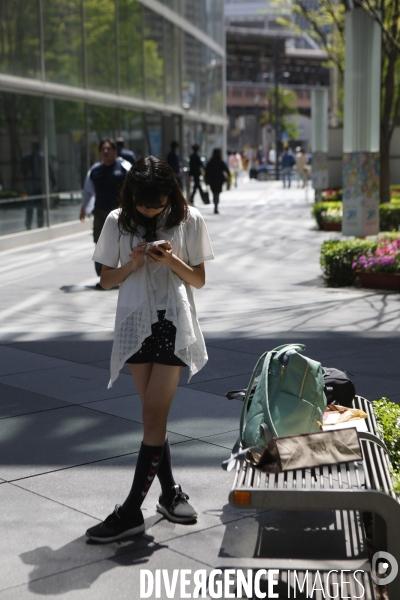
198 245
107 248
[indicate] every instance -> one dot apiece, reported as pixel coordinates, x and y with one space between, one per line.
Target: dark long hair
147 182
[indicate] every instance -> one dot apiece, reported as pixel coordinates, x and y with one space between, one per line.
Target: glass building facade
74 72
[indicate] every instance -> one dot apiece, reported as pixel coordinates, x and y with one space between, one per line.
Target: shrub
389 216
337 258
327 211
387 416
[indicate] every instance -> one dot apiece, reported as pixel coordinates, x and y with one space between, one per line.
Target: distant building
258 47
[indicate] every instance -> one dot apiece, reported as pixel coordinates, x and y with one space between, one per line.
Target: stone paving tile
223 385
319 345
73 383
100 579
193 413
15 401
55 439
15 362
77 348
40 538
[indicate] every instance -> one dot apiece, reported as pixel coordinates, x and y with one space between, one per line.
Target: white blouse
137 298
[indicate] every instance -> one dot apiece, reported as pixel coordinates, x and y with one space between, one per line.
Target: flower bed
327 212
331 195
383 258
340 260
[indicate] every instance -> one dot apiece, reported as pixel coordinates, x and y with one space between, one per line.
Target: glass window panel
22 168
19 38
130 47
214 96
174 5
103 122
100 44
132 130
214 139
67 158
154 134
214 19
194 74
154 55
172 84
62 24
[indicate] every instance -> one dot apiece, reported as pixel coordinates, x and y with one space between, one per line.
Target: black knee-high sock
148 461
164 472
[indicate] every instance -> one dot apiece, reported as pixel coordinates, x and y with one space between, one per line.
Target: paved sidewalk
68 445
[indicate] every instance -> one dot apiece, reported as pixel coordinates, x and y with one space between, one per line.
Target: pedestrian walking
174 161
235 166
102 187
302 165
196 169
156 328
253 166
123 152
217 173
287 163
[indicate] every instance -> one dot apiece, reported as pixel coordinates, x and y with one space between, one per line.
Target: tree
287 101
326 24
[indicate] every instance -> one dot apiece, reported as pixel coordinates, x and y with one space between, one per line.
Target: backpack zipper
304 379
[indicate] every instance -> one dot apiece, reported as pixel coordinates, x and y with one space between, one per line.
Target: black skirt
159 346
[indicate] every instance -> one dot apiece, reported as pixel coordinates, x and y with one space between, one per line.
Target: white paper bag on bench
306 451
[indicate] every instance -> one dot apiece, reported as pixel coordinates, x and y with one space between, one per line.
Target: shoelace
179 498
113 515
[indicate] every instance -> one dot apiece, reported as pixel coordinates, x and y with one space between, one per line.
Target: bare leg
157 386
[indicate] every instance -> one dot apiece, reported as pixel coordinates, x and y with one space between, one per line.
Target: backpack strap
249 387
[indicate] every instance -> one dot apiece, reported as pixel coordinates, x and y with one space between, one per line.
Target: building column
362 89
319 140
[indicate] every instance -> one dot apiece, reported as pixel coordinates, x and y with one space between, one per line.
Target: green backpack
288 398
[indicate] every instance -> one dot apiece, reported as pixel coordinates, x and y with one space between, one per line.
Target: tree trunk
385 167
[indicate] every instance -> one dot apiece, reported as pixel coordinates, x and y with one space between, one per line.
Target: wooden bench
364 486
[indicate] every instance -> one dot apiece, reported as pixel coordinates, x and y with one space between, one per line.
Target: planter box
331 225
379 281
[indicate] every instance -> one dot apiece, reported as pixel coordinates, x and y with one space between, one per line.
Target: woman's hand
137 256
161 255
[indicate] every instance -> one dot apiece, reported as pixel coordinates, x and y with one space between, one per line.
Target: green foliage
337 258
387 415
327 211
287 106
389 216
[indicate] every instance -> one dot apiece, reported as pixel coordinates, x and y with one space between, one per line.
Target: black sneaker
116 527
175 506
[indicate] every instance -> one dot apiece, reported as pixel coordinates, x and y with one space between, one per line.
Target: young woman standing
156 328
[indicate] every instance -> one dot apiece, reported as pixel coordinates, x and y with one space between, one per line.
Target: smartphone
152 245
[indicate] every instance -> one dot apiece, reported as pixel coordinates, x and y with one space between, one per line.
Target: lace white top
137 308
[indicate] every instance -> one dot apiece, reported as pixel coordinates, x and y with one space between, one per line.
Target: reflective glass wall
118 47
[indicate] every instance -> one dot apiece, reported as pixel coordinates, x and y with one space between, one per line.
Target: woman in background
217 174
